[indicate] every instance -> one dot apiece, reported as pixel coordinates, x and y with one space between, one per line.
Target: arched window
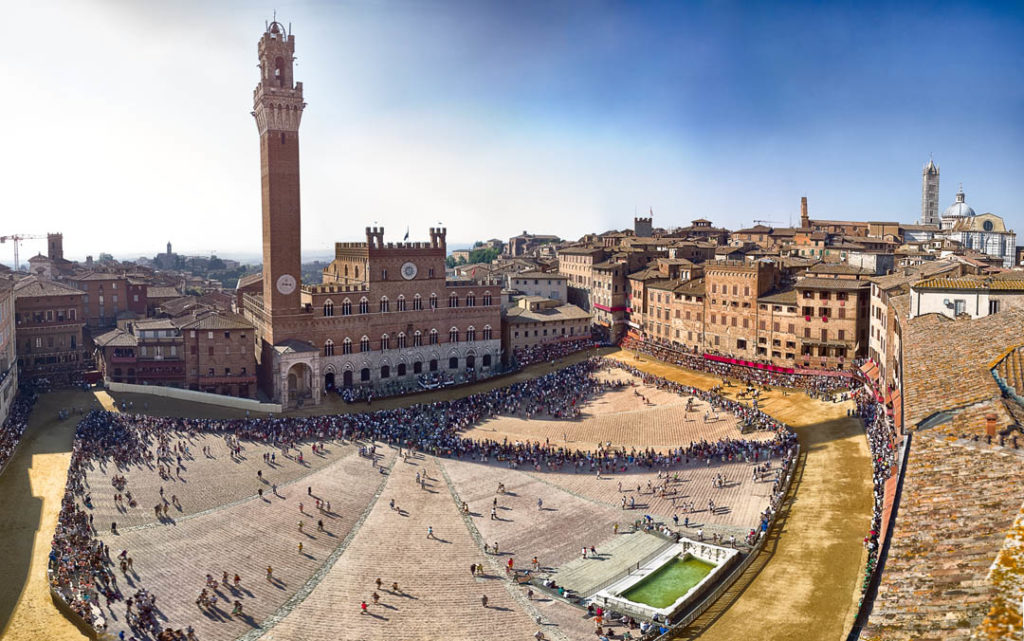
401 340
453 300
433 337
346 307
384 306
346 271
453 335
417 302
487 332
364 344
329 348
471 333
417 339
364 305
329 308
346 347
470 299
401 303
385 342
433 301
487 298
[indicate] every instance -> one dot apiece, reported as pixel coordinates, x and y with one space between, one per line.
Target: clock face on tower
409 271
286 284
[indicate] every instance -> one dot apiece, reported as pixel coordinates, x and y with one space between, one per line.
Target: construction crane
17 238
767 222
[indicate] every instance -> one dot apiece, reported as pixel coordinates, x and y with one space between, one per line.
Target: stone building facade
48 327
8 362
384 313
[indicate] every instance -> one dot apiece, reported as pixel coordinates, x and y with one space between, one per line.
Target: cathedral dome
960 208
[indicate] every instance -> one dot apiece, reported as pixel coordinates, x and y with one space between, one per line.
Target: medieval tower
930 194
277 107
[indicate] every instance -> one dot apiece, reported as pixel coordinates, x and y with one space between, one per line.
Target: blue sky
133 123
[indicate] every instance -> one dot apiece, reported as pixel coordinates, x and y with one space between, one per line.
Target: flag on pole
406 234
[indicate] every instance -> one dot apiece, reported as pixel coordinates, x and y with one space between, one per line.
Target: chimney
990 424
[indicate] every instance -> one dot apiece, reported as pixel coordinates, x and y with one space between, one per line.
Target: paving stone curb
313 581
496 567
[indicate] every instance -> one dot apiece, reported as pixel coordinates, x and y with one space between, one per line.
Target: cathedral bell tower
277 108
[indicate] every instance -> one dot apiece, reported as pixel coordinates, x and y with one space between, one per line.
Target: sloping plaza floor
223 525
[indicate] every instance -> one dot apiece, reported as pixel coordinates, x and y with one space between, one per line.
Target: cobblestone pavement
437 597
172 560
207 482
624 419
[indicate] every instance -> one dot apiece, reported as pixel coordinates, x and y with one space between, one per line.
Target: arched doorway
453 362
470 361
329 381
346 379
385 371
417 367
433 365
300 381
364 374
401 369
487 360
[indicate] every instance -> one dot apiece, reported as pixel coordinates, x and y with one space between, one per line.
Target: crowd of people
82 570
546 352
817 386
881 437
15 423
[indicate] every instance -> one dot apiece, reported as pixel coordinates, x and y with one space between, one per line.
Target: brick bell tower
277 108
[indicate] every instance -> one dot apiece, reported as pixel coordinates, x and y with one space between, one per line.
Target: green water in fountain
662 587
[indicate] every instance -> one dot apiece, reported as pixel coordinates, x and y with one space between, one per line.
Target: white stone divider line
496 567
224 506
317 577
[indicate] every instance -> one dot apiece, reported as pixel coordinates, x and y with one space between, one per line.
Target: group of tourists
881 437
17 420
546 352
83 570
817 386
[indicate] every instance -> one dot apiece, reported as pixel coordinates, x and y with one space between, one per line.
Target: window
417 302
741 343
364 306
385 342
401 341
841 312
417 367
401 303
433 301
841 334
385 370
453 362
364 344
471 300
433 338
959 306
383 274
824 335
487 298
346 347
993 305
417 339
384 306
329 348
401 369
346 307
364 374
453 335
487 332
453 300
328 308
210 350
471 334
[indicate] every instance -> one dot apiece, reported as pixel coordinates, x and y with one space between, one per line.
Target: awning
870 371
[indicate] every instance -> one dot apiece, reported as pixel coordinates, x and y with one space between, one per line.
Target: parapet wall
196 397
